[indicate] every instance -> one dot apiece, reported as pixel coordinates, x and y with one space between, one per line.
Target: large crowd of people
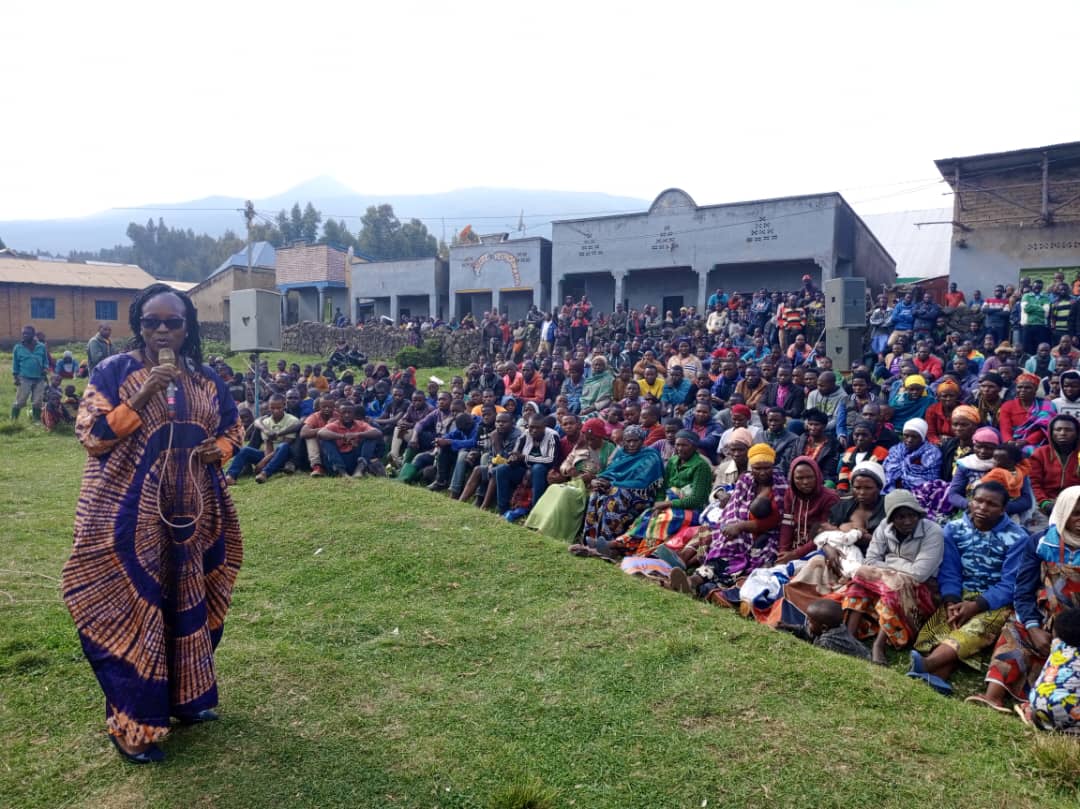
927 500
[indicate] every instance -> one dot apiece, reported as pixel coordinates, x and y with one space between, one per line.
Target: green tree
2 245
337 233
309 223
382 236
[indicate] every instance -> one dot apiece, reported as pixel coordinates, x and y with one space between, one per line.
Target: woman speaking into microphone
157 540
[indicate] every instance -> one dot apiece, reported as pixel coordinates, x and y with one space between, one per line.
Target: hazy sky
116 103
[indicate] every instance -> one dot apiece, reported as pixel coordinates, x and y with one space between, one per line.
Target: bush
428 355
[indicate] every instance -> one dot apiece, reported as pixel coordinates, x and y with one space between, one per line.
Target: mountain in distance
486 209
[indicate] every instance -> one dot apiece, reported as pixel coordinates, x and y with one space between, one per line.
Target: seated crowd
929 500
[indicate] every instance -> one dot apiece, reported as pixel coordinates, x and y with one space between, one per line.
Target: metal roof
1002 161
262 255
70 274
921 250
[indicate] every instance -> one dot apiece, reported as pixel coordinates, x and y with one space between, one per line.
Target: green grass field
386 647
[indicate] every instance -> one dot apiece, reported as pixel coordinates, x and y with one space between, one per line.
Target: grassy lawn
386 647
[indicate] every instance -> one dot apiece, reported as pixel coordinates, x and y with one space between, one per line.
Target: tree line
180 254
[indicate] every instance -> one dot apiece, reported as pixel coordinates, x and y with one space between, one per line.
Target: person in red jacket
1056 466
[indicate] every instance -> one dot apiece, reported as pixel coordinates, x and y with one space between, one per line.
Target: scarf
638 471
801 511
1063 509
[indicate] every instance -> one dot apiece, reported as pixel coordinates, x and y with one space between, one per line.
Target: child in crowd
760 508
825 628
1009 469
1055 698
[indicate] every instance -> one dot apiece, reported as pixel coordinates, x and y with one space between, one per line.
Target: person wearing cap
914 461
1069 400
888 596
561 509
1024 419
676 513
741 418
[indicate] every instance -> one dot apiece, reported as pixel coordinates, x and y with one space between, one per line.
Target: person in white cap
888 594
914 461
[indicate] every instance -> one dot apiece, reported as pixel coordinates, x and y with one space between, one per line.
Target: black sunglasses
154 323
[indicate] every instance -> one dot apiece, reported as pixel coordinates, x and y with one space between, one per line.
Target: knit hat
987 435
914 379
594 426
741 435
902 498
870 469
741 410
916 426
688 435
761 452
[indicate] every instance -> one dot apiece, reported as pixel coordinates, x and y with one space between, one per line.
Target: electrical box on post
255 320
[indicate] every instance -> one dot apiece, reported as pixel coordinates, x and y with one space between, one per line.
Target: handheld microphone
167 357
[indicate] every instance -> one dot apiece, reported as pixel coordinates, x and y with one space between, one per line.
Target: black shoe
150 755
205 715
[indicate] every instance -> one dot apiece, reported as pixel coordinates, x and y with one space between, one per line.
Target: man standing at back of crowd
1035 317
99 346
30 363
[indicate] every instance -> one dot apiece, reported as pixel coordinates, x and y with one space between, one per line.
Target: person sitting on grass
277 428
350 447
888 595
533 455
977 576
825 628
494 448
309 433
1054 700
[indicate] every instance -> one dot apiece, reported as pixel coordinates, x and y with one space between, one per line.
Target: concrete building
677 252
211 296
66 300
1014 214
417 287
509 275
313 280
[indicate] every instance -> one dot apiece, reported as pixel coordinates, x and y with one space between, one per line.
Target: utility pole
249 215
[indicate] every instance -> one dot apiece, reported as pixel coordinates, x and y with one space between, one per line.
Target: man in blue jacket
983 550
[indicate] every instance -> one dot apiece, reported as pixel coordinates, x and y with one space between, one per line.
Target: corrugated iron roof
262 255
1030 158
921 252
67 274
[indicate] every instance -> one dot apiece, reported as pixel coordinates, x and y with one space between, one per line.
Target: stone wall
377 342
214 331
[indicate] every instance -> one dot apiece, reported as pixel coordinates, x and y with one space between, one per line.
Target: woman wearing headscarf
561 509
674 518
888 596
912 400
739 542
1025 419
1056 465
971 468
913 461
620 493
939 414
734 466
965 420
1047 583
596 390
807 505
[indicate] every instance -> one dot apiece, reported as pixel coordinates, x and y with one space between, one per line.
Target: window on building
43 308
105 310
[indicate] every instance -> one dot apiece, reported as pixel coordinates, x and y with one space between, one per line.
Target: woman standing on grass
157 540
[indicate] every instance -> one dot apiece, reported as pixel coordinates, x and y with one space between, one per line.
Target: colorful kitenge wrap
148 600
1034 431
913 468
745 552
688 486
634 479
897 602
1015 663
1055 698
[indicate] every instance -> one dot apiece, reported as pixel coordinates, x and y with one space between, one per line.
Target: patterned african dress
1055 698
149 600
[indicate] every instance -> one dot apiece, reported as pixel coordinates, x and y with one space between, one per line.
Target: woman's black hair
1067 626
192 345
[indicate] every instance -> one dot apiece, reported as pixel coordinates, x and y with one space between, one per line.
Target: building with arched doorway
677 252
499 273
